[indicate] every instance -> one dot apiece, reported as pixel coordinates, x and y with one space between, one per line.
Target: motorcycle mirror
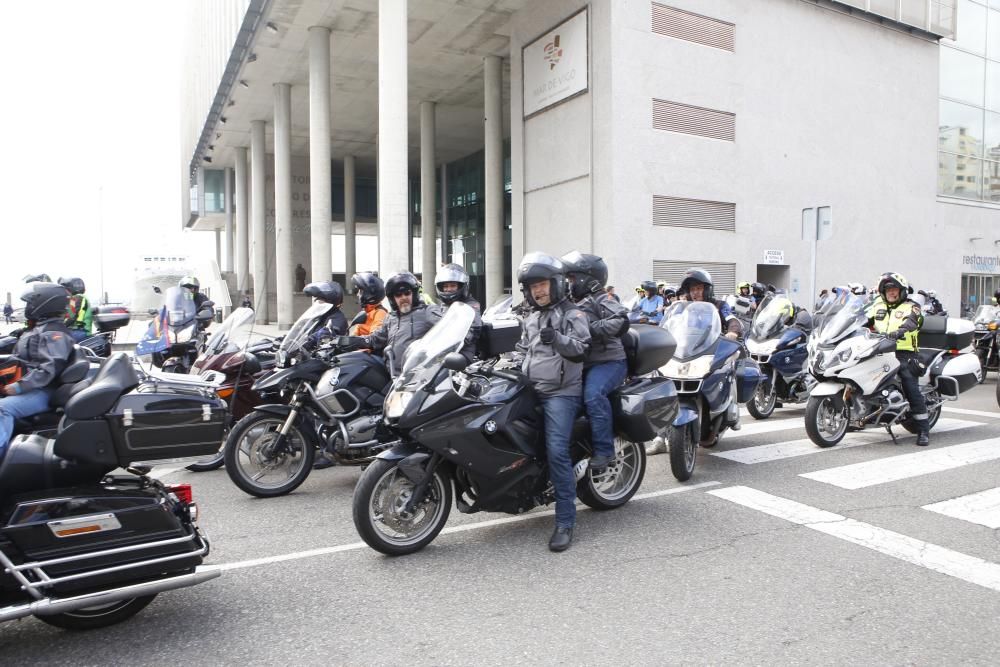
455 362
204 315
360 318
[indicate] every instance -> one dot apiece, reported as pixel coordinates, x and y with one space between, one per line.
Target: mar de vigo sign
555 65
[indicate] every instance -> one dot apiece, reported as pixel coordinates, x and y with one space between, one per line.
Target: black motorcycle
986 320
480 430
81 548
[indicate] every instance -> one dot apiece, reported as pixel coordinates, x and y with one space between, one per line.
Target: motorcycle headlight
844 356
682 370
280 357
992 326
396 402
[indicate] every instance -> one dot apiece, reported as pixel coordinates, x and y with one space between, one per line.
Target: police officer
898 317
79 315
605 367
744 290
697 286
43 352
369 290
649 309
553 346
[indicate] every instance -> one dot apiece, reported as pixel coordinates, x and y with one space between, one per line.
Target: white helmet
857 288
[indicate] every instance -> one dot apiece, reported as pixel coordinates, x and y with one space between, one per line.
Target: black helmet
536 266
648 286
669 292
590 273
370 286
451 273
73 285
328 291
400 282
696 275
44 300
758 290
190 282
890 279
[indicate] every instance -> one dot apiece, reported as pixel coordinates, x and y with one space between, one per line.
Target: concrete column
258 238
321 206
242 221
218 248
493 121
444 214
393 237
228 254
428 198
350 244
284 263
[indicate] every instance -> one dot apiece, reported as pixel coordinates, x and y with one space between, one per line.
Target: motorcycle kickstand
420 488
891 434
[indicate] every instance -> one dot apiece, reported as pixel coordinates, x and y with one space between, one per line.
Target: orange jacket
376 315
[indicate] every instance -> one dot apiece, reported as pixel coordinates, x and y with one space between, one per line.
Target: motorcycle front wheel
761 405
615 485
257 466
825 424
683 441
380 515
100 616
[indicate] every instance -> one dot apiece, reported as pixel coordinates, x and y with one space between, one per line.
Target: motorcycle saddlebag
111 318
748 376
953 375
644 407
498 338
155 422
946 333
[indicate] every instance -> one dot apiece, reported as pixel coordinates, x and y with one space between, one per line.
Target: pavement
775 552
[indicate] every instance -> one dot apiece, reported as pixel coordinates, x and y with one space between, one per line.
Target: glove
898 334
547 335
349 341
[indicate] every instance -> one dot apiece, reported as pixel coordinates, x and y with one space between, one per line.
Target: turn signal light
992 326
182 491
225 392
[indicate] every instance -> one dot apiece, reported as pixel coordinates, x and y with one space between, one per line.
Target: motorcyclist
42 353
369 290
743 289
336 322
649 309
605 367
897 316
553 346
451 284
934 306
697 286
79 315
858 289
192 284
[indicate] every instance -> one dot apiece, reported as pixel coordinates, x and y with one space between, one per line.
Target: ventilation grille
694 213
672 273
677 117
693 27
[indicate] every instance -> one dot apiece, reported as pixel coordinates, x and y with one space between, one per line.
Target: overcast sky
91 104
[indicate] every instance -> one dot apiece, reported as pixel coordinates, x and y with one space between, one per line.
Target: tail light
182 491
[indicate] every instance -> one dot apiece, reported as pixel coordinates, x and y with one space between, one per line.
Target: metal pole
812 273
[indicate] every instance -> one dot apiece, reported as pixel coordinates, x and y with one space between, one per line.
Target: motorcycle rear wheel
379 517
825 426
932 419
684 449
248 462
91 618
615 485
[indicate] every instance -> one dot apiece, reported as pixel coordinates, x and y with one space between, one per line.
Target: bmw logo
490 427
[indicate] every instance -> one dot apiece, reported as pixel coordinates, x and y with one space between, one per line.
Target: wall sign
774 256
555 66
981 263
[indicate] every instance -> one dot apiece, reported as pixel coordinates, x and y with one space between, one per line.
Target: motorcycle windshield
772 315
984 315
233 334
842 316
502 309
695 325
422 359
299 333
180 307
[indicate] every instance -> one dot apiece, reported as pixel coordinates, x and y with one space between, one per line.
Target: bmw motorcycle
176 334
712 380
858 373
985 321
780 349
473 435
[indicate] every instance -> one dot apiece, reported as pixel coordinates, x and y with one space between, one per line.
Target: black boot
561 539
598 462
923 434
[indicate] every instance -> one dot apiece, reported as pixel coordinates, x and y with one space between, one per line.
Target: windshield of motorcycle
842 315
502 309
233 334
772 315
984 315
695 325
424 357
299 333
179 303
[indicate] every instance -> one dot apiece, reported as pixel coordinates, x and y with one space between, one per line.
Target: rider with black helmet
42 353
605 367
698 286
649 309
553 346
335 323
369 290
79 315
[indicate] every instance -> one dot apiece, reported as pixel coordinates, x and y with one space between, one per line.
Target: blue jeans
18 407
560 413
598 381
78 334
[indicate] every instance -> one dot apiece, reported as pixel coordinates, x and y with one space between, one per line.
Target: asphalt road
748 563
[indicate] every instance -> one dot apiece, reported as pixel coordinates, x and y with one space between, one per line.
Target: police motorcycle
712 380
742 310
177 332
857 371
330 401
473 435
985 321
83 548
778 343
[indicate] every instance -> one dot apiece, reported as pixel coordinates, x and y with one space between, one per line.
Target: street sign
817 225
774 256
824 219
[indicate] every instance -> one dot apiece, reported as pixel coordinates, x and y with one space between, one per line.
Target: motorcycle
82 548
480 431
780 349
712 380
985 322
857 372
334 403
176 334
108 320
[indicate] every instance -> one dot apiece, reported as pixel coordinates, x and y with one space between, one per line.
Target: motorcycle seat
115 377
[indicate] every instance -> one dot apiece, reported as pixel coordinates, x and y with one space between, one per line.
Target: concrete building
659 135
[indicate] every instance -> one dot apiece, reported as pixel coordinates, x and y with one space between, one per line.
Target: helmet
44 300
399 282
189 282
758 290
857 288
670 292
890 279
38 278
327 291
932 293
370 286
73 285
648 286
696 275
451 273
536 266
739 288
590 273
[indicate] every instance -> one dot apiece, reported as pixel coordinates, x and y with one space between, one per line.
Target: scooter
778 343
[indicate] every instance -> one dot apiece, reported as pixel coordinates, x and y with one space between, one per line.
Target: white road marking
931 556
982 508
791 448
973 413
893 468
750 427
353 546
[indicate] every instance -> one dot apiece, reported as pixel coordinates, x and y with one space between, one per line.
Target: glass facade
969 106
215 191
365 198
